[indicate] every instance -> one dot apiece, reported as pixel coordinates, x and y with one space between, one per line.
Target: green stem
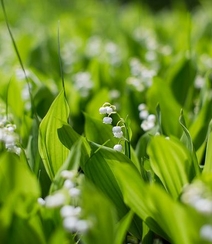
127 142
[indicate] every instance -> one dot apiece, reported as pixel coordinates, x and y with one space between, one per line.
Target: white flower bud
109 110
55 200
74 192
118 134
69 224
70 211
147 125
107 120
68 174
116 129
141 106
103 110
118 147
143 114
68 184
151 118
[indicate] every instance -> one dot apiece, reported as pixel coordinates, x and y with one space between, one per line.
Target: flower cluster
108 50
141 77
83 83
148 120
67 199
109 109
8 135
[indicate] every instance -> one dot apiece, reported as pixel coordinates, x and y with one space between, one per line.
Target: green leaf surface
18 201
181 81
160 93
102 214
67 135
187 140
171 162
208 156
199 128
97 169
77 157
166 217
52 151
122 227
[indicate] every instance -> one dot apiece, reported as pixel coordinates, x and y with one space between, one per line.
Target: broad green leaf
97 169
199 127
77 157
181 82
122 228
160 93
166 217
172 163
208 156
52 151
67 135
70 138
187 140
18 201
102 214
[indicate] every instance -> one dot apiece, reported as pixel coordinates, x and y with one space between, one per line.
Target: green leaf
172 163
181 82
18 201
187 140
97 169
52 151
166 217
160 93
199 127
102 214
78 155
208 156
67 135
122 227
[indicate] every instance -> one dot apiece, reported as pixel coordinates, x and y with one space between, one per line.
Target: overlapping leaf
52 151
172 163
97 169
166 217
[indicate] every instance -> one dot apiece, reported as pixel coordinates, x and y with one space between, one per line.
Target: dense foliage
105 123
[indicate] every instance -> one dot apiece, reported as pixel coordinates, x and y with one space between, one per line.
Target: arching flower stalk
120 131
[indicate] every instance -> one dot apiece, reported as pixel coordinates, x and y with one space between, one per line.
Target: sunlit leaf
156 208
97 169
172 163
160 93
18 201
187 140
102 214
123 227
52 151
